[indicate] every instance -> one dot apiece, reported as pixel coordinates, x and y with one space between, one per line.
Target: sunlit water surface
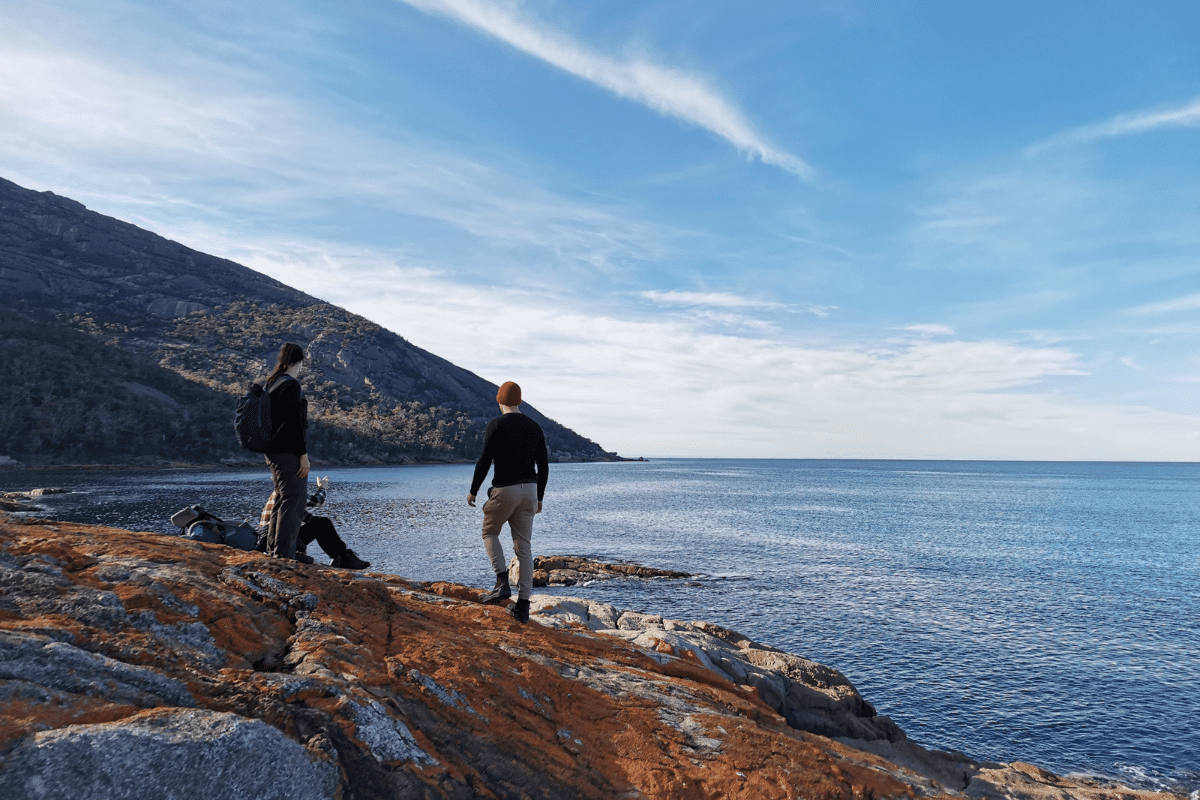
1042 612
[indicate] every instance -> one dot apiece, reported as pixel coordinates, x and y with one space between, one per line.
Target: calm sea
1044 612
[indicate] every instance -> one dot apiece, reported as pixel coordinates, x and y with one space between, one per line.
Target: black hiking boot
348 560
500 591
521 611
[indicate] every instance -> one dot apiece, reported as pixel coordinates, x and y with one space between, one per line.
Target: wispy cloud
726 300
162 148
916 398
710 299
931 329
1185 116
667 90
734 321
1189 302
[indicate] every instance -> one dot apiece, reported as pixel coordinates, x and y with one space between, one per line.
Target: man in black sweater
517 446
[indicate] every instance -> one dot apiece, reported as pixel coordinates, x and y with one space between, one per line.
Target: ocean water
1043 612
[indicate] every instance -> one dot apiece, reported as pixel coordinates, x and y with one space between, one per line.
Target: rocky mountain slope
139 665
121 346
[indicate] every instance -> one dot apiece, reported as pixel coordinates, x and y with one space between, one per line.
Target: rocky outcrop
576 570
16 501
810 696
141 665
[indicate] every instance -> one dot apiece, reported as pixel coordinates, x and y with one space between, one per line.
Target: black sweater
518 447
289 415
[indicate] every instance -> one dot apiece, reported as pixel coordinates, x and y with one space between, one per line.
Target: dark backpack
253 424
201 526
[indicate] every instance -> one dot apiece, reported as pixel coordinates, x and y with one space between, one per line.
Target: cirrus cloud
666 90
1184 116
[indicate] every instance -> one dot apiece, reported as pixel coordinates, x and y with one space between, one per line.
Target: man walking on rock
517 446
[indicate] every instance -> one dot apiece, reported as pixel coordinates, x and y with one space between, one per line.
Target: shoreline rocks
237 669
14 501
809 696
576 570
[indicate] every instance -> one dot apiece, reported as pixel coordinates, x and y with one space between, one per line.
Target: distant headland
125 348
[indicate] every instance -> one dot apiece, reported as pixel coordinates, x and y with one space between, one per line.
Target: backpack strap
278 382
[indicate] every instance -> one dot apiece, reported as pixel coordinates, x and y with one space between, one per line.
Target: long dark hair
290 353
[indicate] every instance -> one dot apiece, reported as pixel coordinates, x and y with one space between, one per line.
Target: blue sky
825 229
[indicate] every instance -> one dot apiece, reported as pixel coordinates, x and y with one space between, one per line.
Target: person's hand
471 500
539 507
303 471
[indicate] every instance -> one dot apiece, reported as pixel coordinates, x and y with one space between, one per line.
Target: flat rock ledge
577 570
138 665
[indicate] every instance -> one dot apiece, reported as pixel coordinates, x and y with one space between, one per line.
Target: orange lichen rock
242 675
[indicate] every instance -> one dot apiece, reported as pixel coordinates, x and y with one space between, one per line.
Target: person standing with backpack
287 453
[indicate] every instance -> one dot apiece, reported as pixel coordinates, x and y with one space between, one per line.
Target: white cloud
932 329
53 100
1053 337
1185 116
666 90
733 320
703 307
1189 302
667 386
711 299
147 140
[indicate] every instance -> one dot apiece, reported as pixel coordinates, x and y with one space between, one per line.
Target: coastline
859 617
372 678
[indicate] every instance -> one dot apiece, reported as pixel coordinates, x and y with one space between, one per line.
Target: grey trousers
291 495
517 506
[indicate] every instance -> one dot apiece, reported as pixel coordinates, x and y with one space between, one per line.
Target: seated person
319 528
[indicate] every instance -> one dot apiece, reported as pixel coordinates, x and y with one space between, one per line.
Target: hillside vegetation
123 347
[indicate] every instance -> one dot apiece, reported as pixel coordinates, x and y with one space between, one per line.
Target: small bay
1046 612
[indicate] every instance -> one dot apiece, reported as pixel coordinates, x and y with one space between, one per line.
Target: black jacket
518 447
289 415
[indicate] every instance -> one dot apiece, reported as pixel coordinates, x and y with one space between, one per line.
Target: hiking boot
500 591
303 557
348 560
521 611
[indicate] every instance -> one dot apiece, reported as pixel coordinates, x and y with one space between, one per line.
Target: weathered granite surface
141 665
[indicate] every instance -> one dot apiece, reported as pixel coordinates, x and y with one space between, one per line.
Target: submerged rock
142 665
576 570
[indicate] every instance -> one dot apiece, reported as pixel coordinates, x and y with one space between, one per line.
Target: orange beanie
509 395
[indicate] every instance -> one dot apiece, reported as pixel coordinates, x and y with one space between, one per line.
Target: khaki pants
517 506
